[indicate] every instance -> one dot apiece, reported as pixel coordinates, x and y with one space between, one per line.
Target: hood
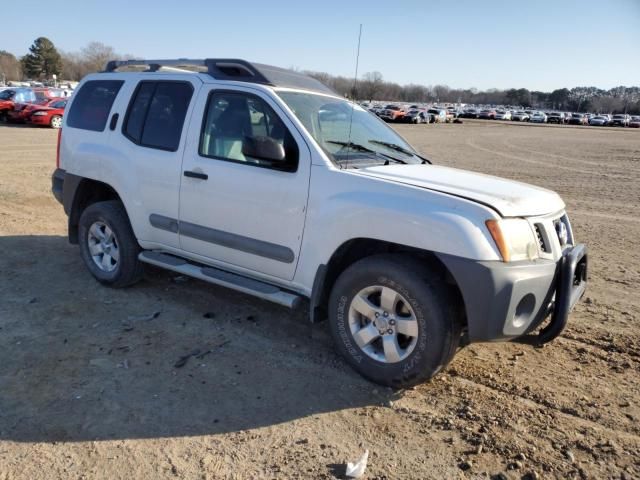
508 197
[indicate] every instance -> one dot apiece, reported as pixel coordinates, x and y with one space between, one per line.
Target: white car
503 115
520 116
538 117
265 181
599 120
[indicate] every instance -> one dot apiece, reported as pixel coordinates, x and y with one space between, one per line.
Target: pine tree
43 61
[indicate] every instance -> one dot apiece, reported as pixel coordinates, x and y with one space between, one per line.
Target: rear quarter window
157 113
92 104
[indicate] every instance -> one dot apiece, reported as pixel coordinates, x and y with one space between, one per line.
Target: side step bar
216 276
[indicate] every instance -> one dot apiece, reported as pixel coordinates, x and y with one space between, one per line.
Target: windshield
347 132
6 94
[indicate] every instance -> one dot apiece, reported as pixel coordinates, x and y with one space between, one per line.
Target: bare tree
371 85
10 67
96 54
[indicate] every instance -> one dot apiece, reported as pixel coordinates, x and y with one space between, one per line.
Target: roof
229 69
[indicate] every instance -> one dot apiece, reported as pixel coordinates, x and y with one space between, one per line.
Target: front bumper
507 300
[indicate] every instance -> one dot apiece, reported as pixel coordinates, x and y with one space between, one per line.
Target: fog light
524 310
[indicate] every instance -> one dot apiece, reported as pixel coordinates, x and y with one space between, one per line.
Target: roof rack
227 69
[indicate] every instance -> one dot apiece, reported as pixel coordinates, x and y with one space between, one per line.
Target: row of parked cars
438 114
414 114
35 106
537 116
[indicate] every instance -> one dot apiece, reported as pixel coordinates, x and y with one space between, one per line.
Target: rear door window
92 104
156 114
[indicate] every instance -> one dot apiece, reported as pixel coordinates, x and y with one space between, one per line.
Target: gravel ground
89 387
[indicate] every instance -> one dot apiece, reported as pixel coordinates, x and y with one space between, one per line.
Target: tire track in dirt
569 159
537 404
475 146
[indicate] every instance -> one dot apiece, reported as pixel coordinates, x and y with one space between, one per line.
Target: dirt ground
88 386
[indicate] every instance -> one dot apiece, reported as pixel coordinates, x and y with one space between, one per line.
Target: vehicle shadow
16 125
81 361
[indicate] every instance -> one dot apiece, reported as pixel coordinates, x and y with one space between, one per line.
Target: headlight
514 238
39 114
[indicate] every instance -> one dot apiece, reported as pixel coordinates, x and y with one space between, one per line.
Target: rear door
149 123
237 209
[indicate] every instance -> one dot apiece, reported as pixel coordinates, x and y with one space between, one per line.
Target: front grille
541 238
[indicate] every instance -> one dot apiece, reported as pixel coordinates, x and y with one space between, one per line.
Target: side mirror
263 148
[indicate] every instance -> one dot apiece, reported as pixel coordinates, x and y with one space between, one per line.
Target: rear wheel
108 246
56 121
3 117
393 320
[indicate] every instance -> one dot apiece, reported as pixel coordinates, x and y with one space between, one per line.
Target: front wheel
393 320
108 245
56 121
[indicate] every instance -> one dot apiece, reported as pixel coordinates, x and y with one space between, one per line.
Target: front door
245 183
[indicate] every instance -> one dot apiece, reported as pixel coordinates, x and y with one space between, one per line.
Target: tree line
44 60
371 87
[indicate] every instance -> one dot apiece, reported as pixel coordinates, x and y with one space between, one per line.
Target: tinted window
156 114
237 126
92 104
137 111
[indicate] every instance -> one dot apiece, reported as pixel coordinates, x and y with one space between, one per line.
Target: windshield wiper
362 148
354 146
398 148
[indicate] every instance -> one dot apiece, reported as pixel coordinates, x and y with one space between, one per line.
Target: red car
50 116
9 97
43 93
22 111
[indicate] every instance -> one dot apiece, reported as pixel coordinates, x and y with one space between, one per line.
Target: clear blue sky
535 44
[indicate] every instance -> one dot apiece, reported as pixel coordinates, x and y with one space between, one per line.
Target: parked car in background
503 114
449 116
635 121
470 113
599 120
621 120
538 117
50 116
578 119
556 117
416 115
487 114
392 113
439 115
455 112
10 97
22 111
48 92
520 116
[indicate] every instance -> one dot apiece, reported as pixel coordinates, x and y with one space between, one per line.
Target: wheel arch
79 193
358 248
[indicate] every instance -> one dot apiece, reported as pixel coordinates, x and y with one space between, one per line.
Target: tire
423 304
105 221
56 121
3 117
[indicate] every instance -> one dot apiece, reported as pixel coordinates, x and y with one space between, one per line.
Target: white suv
265 181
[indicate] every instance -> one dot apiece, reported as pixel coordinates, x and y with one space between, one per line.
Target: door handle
114 122
198 175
